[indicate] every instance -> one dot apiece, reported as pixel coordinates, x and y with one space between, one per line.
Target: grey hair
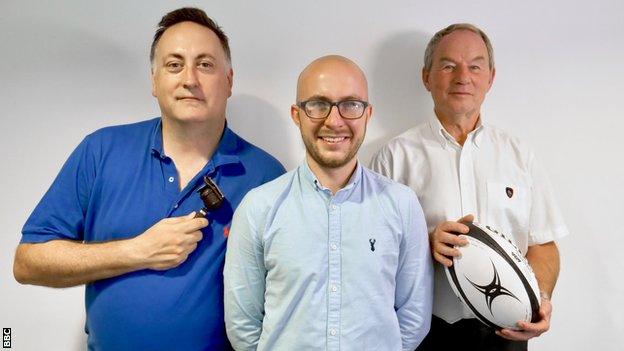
435 40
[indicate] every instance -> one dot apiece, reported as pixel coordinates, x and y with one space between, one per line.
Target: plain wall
70 67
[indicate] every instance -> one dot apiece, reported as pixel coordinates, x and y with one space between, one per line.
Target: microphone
211 195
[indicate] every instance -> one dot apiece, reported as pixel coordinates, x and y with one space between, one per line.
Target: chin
193 118
333 162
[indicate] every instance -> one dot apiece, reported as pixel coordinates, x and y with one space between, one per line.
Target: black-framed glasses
320 109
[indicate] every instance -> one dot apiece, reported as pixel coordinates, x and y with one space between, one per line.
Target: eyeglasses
320 109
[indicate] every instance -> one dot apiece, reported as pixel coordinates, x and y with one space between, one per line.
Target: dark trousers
465 335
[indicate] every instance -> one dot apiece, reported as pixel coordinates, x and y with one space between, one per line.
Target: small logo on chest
509 192
372 242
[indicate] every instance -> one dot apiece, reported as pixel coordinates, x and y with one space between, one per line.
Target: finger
191 248
449 239
454 228
446 250
174 220
195 236
180 219
194 224
506 335
467 218
536 328
179 261
514 335
442 259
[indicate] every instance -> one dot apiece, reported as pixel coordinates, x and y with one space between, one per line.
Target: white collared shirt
493 176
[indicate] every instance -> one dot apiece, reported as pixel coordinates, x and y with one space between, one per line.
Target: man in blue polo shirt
119 216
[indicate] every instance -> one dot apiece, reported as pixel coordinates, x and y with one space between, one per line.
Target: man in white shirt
464 170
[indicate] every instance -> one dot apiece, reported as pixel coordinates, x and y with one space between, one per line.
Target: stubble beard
331 162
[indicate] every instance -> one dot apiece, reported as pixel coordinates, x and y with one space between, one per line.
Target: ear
369 113
492 78
152 79
425 78
230 78
294 115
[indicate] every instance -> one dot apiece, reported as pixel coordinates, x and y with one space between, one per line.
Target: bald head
332 112
329 74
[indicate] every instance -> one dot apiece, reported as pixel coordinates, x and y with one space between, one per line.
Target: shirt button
171 179
175 206
334 247
334 288
332 332
334 207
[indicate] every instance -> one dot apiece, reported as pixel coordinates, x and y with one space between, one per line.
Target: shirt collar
316 184
445 138
226 152
157 142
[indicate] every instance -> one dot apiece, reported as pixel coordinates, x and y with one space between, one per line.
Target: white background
70 67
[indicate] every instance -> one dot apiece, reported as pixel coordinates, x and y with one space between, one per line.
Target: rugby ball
494 280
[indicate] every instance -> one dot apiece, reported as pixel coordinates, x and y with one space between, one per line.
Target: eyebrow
448 59
180 57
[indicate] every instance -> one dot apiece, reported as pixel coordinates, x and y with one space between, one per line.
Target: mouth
333 140
188 98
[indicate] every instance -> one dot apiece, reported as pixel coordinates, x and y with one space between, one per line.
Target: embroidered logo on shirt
509 192
226 232
372 243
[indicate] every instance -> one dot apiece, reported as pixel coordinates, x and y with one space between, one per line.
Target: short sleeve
545 221
61 212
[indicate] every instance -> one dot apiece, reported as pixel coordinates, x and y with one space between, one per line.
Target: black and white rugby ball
494 280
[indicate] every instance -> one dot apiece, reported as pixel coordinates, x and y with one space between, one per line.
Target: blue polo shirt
115 185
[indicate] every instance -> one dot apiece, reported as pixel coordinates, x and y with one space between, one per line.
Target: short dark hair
190 14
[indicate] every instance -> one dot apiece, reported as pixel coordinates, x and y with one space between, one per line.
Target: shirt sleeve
61 212
414 280
545 221
379 163
244 279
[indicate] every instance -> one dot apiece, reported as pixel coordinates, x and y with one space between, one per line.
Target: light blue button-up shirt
308 270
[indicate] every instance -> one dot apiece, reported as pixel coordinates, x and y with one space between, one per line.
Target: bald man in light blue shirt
330 256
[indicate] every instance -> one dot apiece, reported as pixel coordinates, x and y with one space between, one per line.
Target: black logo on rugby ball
492 290
509 192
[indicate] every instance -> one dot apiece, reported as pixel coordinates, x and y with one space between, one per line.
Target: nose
334 119
462 74
190 77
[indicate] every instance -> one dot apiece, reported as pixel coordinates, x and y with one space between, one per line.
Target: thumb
467 218
181 219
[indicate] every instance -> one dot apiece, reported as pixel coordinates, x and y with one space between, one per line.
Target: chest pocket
508 206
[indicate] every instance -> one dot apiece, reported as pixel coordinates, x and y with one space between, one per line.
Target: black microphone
211 195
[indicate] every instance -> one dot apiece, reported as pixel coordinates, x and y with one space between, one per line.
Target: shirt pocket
508 206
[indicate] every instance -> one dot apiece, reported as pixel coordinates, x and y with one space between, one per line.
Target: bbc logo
6 338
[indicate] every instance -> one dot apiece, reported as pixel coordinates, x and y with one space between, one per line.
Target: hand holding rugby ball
494 280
